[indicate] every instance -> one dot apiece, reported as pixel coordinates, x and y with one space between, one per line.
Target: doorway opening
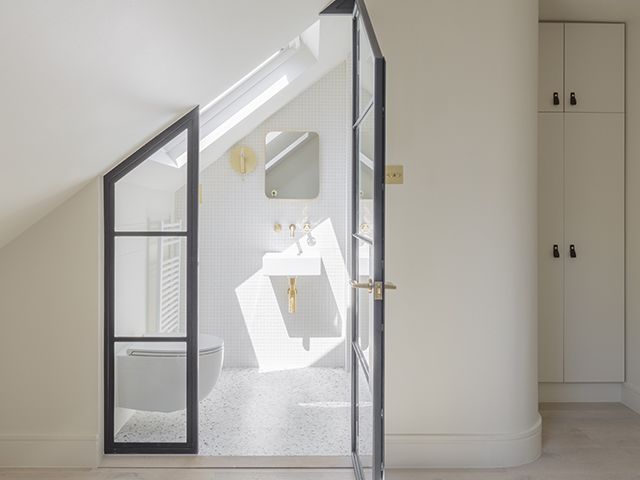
233 248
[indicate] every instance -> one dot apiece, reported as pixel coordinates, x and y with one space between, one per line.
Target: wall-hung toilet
151 376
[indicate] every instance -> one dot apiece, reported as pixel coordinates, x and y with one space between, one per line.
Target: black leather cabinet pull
556 251
556 98
572 99
572 251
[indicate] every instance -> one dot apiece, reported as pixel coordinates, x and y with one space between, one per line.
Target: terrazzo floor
253 413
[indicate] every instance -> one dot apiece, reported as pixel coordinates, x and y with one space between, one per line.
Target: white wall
461 232
50 349
240 304
461 333
621 11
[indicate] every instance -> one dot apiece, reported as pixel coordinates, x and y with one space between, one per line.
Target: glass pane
152 196
365 423
365 301
365 69
365 175
150 286
150 392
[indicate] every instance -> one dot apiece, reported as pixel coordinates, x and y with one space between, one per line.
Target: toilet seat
207 344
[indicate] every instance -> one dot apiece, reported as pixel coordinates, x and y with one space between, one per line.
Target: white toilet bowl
151 376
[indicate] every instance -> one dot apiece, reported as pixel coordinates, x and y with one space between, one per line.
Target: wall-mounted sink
291 264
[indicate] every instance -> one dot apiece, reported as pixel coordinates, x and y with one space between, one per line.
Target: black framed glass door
151 295
368 280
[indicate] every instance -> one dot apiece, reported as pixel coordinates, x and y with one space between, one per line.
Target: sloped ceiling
83 83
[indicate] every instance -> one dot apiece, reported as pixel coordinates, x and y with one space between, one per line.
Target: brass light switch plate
394 175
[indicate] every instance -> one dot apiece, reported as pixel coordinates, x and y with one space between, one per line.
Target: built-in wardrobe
581 186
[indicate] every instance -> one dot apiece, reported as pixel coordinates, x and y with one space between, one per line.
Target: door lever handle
572 251
368 285
556 251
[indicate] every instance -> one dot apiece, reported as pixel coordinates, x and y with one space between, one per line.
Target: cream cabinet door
594 67
594 231
550 247
551 67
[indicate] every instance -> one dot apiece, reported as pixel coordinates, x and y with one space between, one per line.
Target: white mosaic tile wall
237 302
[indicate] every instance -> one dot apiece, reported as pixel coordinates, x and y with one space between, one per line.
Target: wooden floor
580 442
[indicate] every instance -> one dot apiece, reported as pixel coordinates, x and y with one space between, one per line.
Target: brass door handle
368 285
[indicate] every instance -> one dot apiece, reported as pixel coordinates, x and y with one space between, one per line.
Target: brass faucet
292 230
293 292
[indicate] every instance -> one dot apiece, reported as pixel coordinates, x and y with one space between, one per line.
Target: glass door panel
150 392
150 284
151 197
364 408
367 276
151 323
365 307
365 132
365 68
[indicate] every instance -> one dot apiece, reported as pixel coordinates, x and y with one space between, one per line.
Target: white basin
291 264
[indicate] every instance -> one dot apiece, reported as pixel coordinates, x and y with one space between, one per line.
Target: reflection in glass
292 165
365 302
365 423
365 175
150 282
153 192
150 392
365 69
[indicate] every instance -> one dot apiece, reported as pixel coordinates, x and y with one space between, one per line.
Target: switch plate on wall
395 174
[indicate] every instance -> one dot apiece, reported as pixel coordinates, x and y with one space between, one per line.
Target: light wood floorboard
588 441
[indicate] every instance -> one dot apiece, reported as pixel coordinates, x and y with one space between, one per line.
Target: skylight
266 88
242 99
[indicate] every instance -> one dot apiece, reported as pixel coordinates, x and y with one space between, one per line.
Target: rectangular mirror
292 165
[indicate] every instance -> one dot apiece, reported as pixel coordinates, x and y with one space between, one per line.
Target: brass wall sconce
243 160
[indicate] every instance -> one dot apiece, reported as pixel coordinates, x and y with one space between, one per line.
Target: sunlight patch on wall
275 349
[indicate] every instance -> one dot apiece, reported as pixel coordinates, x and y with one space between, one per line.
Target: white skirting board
631 397
464 451
48 450
580 392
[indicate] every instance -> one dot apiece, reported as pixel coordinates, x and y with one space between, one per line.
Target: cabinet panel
550 233
594 67
550 67
594 223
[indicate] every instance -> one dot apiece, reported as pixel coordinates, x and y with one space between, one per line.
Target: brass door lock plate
394 175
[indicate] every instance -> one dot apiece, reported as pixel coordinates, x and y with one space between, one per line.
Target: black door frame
190 123
374 376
